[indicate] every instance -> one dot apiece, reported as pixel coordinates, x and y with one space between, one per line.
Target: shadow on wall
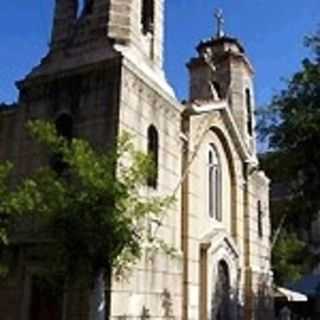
166 309
263 301
8 107
226 304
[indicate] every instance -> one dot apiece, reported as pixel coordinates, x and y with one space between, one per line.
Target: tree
290 258
92 216
292 126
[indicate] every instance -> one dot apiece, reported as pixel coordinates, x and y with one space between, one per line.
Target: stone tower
91 42
222 70
134 25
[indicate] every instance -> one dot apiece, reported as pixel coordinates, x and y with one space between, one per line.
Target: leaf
93 214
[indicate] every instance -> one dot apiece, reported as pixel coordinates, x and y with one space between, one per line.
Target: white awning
290 295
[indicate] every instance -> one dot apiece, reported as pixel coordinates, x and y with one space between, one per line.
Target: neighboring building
309 285
104 74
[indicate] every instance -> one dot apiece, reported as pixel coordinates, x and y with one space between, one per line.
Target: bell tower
222 70
132 26
139 25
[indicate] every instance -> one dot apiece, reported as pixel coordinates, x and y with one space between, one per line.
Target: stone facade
104 70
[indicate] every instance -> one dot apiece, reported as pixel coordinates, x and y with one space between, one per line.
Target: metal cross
220 22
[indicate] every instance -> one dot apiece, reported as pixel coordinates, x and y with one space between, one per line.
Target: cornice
222 106
155 79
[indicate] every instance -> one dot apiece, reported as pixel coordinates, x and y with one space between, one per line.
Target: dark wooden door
46 304
221 300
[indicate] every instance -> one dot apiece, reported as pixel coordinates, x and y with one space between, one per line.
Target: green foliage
289 258
293 129
292 126
95 214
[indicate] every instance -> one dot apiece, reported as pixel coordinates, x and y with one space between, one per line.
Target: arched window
85 7
260 219
214 184
249 112
153 152
64 127
147 16
89 7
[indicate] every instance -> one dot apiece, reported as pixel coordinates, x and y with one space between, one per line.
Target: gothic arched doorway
221 297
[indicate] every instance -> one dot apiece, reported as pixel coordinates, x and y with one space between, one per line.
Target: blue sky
272 32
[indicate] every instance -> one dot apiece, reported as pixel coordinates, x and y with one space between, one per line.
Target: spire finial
218 14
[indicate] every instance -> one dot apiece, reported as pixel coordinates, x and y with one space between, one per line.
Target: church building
104 75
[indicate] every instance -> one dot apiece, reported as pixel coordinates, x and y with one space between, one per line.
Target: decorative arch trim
233 195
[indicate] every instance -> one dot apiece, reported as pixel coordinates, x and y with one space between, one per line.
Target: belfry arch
84 7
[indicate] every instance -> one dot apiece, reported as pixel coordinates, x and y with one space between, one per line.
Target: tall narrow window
260 219
64 127
214 184
88 7
217 88
147 16
153 152
85 7
249 112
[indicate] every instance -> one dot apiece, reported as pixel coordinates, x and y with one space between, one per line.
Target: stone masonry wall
154 286
90 95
